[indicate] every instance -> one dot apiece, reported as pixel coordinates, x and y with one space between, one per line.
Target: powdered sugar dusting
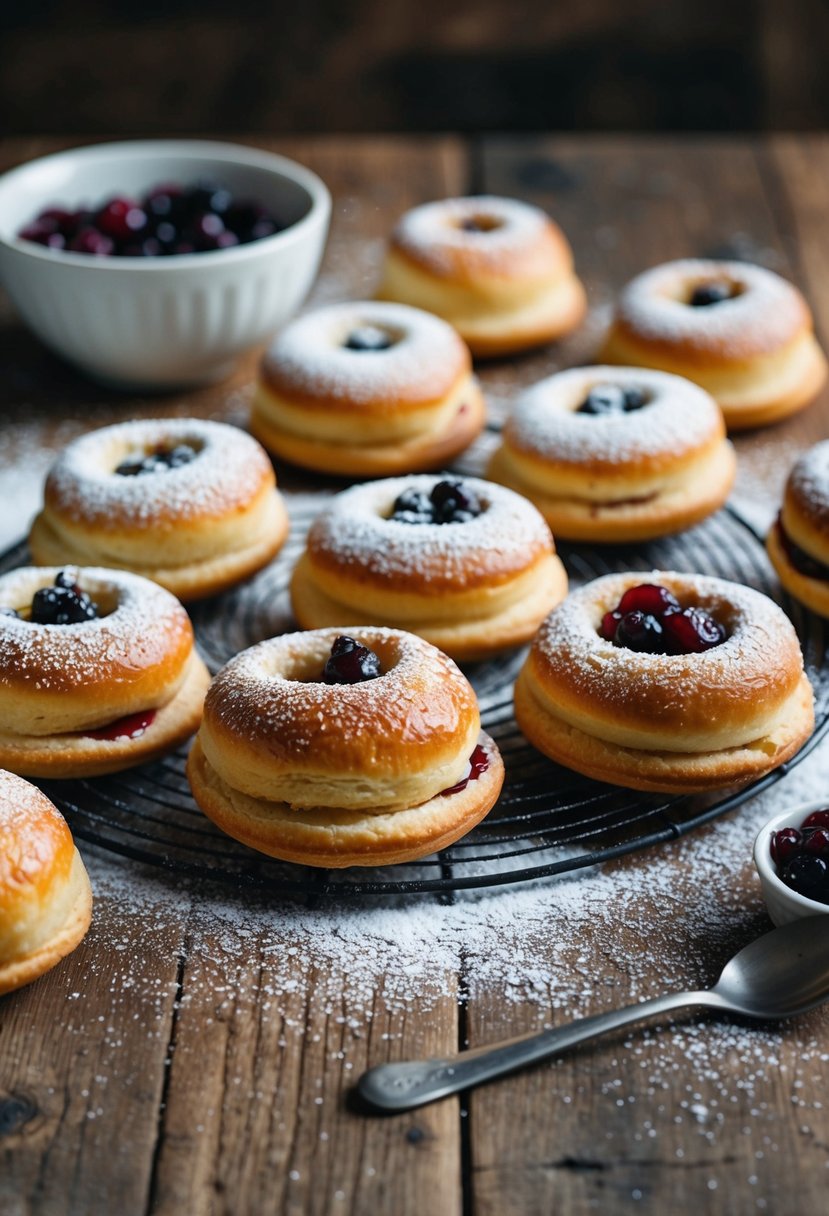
354 532
227 473
678 418
767 313
434 233
22 803
309 356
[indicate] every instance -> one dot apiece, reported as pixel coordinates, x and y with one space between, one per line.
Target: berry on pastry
738 330
192 505
97 672
466 564
497 269
45 897
367 390
616 453
667 682
798 542
344 750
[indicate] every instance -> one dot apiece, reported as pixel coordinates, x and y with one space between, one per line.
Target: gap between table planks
70 1143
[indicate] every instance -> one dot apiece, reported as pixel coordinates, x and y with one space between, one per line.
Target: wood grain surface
212 1088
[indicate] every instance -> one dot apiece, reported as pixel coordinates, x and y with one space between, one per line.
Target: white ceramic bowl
168 321
783 903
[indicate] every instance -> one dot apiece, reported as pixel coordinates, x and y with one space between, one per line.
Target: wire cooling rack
547 821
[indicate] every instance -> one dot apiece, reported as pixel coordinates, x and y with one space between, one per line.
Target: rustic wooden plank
82 1064
605 1129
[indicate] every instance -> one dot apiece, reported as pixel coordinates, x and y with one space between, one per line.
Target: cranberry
808 875
350 663
610 622
90 240
64 221
648 597
785 844
122 219
63 604
641 632
817 819
39 231
709 293
368 337
692 631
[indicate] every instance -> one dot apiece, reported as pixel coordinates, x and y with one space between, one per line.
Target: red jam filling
131 727
478 763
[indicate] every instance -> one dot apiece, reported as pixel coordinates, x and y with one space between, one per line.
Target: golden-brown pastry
97 672
45 897
344 751
466 564
798 542
497 269
715 696
367 390
192 505
616 453
739 331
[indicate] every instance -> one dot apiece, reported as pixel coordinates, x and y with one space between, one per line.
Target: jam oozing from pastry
369 338
802 561
157 461
649 619
131 727
350 663
801 856
478 764
168 219
705 294
448 502
613 399
63 604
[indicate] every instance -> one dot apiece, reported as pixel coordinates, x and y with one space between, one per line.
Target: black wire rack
547 821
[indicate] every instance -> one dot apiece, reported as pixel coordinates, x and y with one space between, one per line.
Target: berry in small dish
791 853
798 541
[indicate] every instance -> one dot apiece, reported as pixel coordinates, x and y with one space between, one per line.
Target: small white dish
161 322
784 904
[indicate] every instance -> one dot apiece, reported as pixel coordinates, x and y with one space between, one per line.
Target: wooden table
218 1094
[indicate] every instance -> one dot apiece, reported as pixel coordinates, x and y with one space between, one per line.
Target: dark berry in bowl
785 844
350 663
801 856
817 819
808 875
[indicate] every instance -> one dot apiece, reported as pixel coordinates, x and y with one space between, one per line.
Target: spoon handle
403 1086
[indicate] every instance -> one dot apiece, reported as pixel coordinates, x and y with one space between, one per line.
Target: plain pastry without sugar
738 330
681 722
367 390
466 564
97 672
192 505
616 453
798 541
45 897
386 769
497 269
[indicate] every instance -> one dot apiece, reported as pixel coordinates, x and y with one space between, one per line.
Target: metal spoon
783 973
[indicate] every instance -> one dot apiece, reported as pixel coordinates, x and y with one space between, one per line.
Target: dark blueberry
163 202
156 462
635 399
166 232
709 293
453 502
692 631
8 611
262 228
610 623
603 399
184 247
641 632
412 507
648 597
817 819
808 875
368 337
62 605
350 663
785 844
210 196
